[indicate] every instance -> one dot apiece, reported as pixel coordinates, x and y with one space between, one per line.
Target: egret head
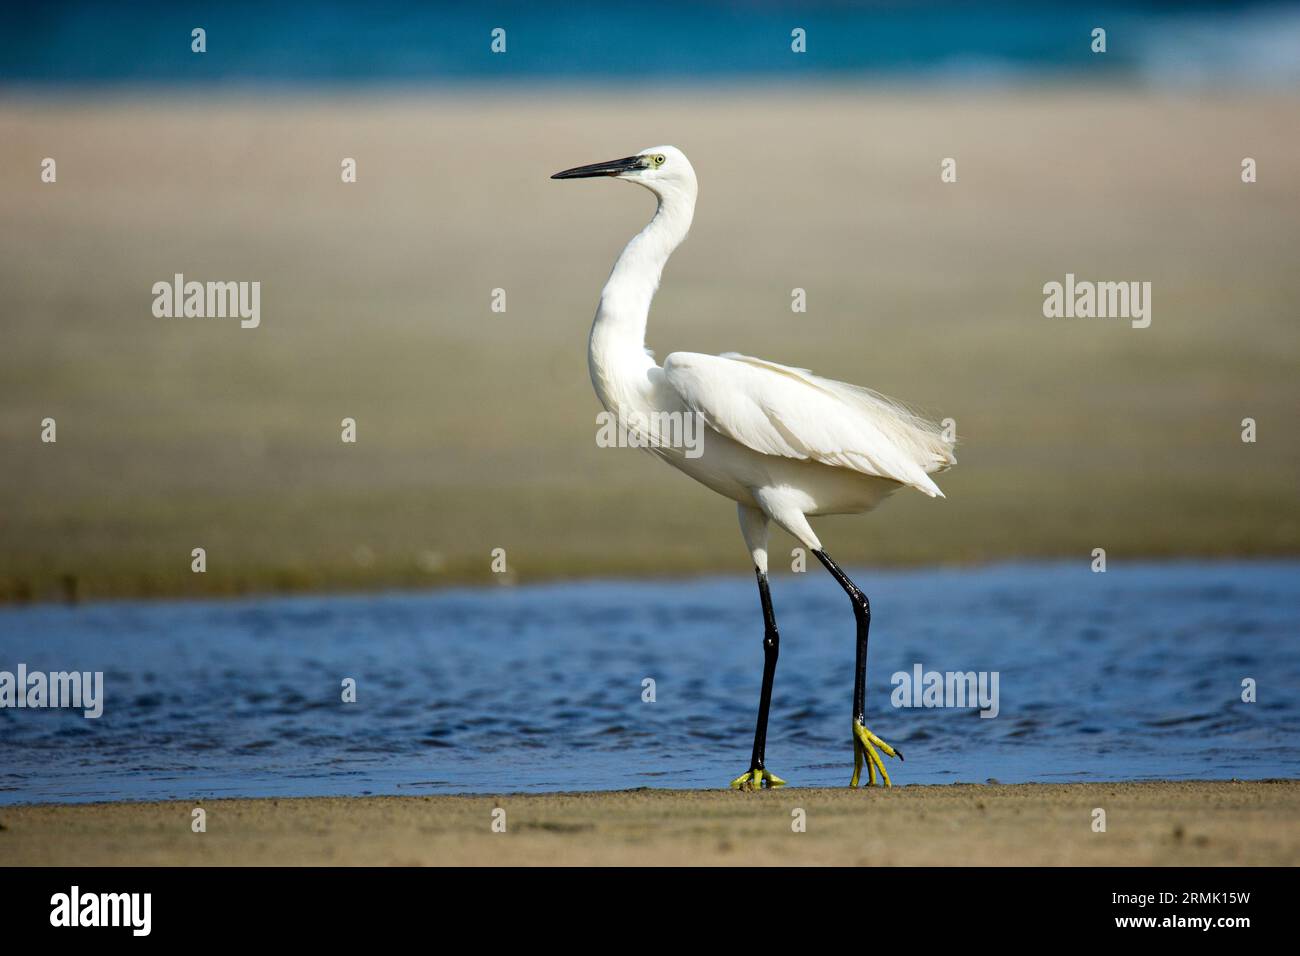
664 170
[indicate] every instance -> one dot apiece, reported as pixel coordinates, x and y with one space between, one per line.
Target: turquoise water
148 43
1131 674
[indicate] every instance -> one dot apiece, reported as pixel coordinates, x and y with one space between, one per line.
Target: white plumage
779 410
783 443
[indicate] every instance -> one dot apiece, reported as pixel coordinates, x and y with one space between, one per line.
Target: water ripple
1132 674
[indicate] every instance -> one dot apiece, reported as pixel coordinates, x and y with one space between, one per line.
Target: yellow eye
659 159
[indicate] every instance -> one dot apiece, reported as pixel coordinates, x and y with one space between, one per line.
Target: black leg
771 648
862 614
865 743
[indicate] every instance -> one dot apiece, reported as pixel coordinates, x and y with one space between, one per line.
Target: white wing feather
778 410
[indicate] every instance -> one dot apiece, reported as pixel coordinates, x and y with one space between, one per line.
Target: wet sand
1156 823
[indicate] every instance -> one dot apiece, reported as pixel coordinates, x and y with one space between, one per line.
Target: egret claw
866 747
756 779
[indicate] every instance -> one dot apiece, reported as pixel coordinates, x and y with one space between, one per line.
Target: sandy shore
174 434
1164 824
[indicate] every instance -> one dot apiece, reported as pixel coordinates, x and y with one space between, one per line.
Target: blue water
1131 674
396 41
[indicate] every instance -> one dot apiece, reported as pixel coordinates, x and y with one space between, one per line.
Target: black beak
611 168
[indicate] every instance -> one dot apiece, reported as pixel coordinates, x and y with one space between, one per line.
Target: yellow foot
755 780
865 749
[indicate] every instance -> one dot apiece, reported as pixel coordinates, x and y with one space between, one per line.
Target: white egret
782 443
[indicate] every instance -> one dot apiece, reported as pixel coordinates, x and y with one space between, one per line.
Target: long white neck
616 352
